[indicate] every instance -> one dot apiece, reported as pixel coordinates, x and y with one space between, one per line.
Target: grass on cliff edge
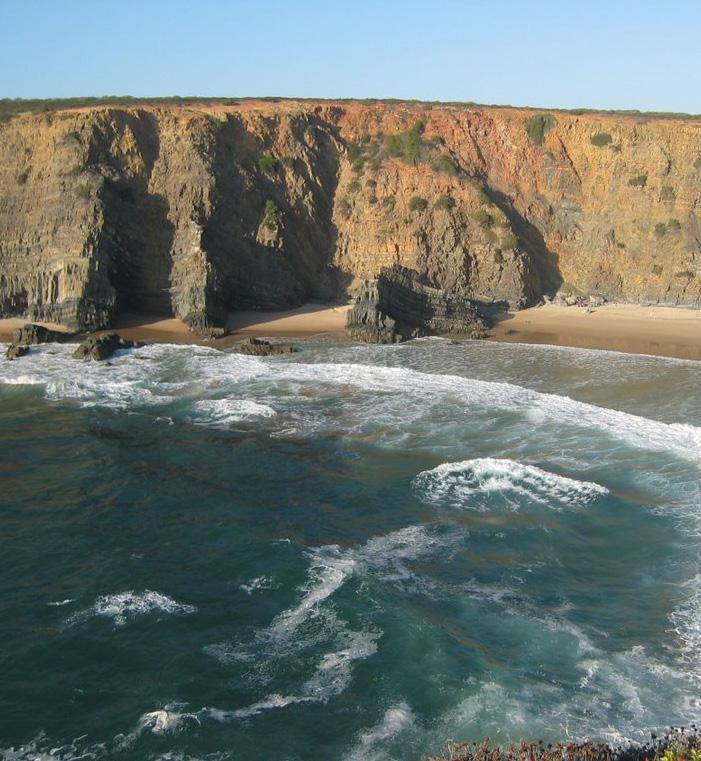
675 745
9 107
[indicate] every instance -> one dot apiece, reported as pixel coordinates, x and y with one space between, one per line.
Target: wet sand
664 331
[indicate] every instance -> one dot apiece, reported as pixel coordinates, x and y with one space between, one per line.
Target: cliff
198 209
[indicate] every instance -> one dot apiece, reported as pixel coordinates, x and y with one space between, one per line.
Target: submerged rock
102 347
260 348
397 306
37 334
15 351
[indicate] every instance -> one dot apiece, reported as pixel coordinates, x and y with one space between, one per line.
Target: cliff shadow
544 261
137 230
271 235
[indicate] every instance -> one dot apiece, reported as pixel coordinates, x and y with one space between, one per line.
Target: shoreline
661 331
653 330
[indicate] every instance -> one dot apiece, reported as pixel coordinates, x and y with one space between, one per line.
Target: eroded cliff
200 209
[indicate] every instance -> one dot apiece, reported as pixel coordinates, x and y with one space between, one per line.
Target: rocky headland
426 213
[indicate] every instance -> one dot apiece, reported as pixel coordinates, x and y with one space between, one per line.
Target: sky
566 54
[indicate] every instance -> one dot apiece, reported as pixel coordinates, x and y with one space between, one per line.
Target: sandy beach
307 320
664 331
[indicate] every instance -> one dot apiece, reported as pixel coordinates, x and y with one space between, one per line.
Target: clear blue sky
569 53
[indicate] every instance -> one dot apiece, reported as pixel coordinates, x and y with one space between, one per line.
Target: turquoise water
352 552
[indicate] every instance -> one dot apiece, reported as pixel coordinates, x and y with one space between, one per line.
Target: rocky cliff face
194 211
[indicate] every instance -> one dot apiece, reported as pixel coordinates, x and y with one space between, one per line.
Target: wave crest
470 483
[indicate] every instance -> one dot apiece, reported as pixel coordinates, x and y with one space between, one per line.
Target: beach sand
307 320
664 331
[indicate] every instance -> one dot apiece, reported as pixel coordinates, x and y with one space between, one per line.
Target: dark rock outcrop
259 348
15 351
397 305
37 334
102 347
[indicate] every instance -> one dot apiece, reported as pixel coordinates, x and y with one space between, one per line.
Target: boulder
397 305
259 348
102 347
37 334
15 351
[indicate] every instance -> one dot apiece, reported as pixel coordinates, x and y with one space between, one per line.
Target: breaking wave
467 483
124 606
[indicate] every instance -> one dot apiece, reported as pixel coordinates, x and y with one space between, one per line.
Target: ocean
351 552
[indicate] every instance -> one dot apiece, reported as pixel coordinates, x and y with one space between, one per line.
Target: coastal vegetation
268 163
537 127
675 745
600 139
271 215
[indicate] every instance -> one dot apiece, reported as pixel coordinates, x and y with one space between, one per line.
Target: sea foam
123 606
467 483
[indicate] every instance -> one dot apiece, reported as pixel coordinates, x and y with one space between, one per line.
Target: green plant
685 273
509 242
268 163
600 139
357 165
344 208
22 178
639 181
372 200
444 164
416 203
444 202
289 161
353 186
660 229
412 150
374 164
538 125
483 218
372 184
675 225
83 191
657 269
667 193
491 236
271 215
354 152
388 203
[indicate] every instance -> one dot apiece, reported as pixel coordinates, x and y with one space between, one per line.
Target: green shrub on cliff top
660 229
416 203
538 125
83 191
444 202
657 269
601 139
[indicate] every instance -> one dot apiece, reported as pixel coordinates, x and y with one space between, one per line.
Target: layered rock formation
397 305
196 210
